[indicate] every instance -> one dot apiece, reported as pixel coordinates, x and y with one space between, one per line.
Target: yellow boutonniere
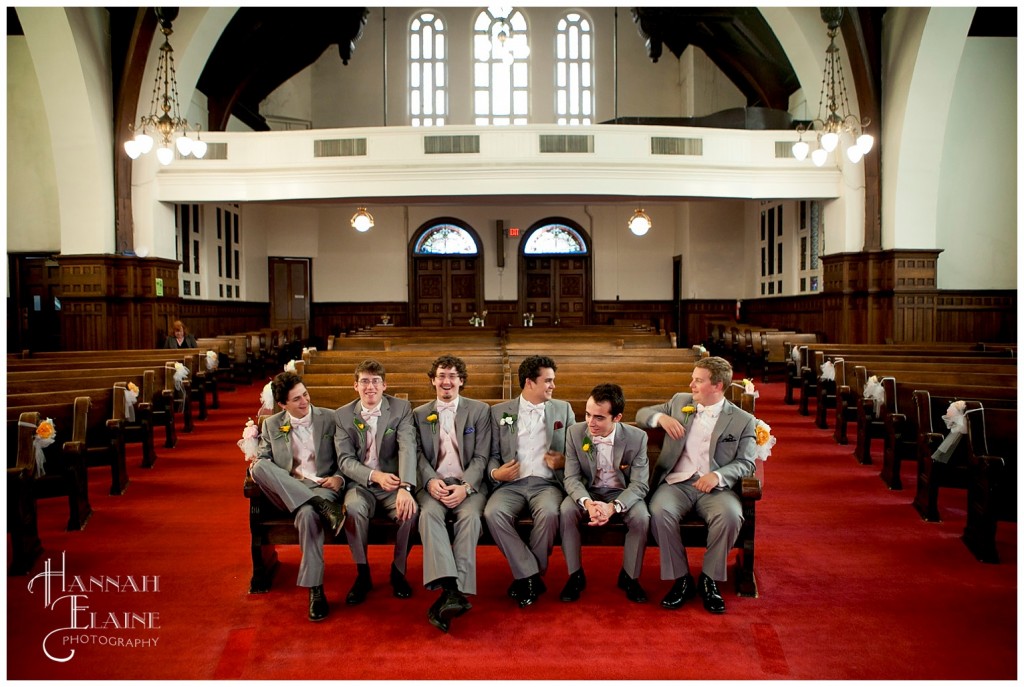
284 431
588 446
688 410
432 419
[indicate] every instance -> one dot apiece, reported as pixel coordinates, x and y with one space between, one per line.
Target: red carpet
853 586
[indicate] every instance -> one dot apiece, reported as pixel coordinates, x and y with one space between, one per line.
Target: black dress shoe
532 589
434 614
683 590
399 586
576 583
453 604
634 592
713 601
517 587
331 513
318 608
361 587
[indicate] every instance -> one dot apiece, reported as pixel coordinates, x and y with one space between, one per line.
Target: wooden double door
555 289
446 290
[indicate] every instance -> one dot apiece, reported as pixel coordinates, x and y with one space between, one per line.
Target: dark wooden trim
129 94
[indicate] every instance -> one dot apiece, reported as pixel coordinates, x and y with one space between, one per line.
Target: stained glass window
446 239
555 238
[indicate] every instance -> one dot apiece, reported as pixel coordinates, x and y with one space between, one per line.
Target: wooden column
881 296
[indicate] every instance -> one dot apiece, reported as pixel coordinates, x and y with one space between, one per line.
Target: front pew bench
269 526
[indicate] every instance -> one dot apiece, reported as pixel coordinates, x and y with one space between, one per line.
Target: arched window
500 50
555 239
574 70
428 70
446 239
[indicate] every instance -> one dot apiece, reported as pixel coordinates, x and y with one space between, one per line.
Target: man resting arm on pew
709 446
297 469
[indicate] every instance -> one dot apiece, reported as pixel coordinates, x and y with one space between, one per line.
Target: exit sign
513 231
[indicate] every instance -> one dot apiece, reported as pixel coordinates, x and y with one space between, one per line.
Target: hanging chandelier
164 119
831 128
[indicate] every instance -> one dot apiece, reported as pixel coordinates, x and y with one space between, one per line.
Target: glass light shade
165 155
184 145
854 153
362 220
640 223
819 156
145 142
865 142
131 147
829 141
199 148
800 150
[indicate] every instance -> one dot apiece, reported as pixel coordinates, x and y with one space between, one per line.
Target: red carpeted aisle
853 586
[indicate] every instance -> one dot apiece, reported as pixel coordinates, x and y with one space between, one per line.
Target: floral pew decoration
249 441
212 361
46 434
131 397
765 442
874 391
180 372
956 421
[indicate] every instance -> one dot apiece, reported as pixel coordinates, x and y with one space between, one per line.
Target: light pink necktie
371 443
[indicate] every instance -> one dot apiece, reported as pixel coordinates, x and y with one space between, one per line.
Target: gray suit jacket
558 417
733 442
396 440
473 426
629 451
276 445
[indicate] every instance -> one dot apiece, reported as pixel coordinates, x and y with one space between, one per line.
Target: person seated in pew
606 474
376 444
180 338
454 440
709 446
526 469
296 467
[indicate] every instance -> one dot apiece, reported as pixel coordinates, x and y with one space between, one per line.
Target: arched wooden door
446 274
555 273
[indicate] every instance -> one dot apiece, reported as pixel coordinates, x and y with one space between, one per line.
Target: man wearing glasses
376 445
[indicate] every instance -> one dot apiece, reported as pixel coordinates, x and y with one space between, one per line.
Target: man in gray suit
709 446
606 475
376 444
526 469
454 434
296 468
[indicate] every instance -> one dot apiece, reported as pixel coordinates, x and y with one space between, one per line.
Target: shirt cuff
653 422
583 501
717 474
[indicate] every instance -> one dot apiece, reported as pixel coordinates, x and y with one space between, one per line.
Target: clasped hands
450 495
599 513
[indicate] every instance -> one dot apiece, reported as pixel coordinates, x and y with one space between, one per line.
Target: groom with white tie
526 469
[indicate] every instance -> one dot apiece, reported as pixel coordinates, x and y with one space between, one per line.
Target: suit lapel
461 416
512 437
435 435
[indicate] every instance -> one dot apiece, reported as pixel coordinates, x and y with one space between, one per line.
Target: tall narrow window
229 276
574 69
187 223
428 70
771 249
500 52
810 245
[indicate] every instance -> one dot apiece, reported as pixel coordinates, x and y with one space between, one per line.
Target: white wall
977 213
33 219
714 243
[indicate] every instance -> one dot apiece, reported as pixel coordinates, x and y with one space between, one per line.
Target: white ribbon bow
874 391
267 397
289 366
180 372
130 397
828 371
956 420
212 361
